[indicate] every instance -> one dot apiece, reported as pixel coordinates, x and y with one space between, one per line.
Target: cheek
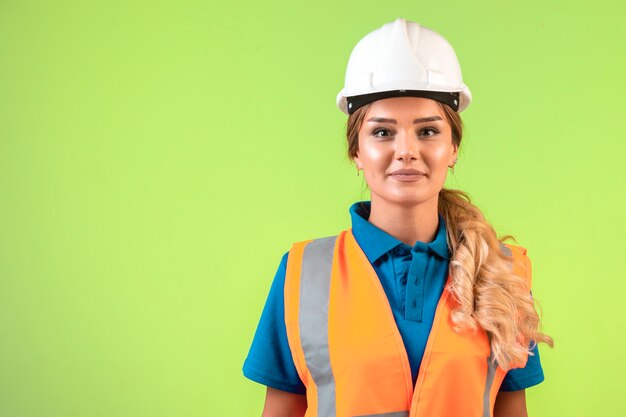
437 162
371 154
438 156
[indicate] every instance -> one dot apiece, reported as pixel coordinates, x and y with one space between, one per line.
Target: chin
406 199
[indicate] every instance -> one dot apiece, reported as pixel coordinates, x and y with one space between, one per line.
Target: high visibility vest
348 351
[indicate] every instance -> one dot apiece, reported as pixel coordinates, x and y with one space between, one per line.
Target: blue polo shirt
413 279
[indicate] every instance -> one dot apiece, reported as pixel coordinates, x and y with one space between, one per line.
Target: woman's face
405 133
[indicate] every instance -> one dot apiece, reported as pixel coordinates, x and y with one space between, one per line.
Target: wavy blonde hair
488 294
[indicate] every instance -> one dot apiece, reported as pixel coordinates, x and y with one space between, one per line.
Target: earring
357 171
453 165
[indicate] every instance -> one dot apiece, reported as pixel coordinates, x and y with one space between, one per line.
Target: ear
455 154
357 161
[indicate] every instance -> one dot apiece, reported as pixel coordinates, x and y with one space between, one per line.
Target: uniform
412 278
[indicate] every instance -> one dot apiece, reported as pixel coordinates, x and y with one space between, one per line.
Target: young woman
418 309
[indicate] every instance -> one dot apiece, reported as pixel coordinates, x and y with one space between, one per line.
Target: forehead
404 107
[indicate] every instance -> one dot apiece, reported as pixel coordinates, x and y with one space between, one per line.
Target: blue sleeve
269 360
522 378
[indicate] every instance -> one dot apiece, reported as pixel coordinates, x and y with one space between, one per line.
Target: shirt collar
376 242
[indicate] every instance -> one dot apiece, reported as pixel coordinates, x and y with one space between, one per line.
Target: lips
408 172
407 175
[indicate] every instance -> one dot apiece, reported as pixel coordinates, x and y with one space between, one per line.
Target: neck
407 223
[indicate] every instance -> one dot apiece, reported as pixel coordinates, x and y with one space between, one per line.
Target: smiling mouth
407 177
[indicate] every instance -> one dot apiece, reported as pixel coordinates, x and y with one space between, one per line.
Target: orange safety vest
348 350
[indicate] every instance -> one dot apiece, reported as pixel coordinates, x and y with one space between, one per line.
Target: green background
158 158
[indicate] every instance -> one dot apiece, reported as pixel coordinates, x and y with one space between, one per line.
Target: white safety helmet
402 58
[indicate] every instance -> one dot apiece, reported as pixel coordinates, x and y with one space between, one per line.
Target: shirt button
403 280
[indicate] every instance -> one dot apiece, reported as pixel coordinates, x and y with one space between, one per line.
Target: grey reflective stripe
317 262
394 414
491 373
505 249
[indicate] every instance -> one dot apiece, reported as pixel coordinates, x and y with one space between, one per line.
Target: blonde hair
487 292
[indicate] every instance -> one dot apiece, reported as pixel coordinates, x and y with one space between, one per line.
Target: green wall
158 158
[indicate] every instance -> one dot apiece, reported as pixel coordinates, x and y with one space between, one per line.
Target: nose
407 146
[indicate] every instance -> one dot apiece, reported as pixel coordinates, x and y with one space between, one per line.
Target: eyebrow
420 120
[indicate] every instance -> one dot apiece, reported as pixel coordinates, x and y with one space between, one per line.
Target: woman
418 309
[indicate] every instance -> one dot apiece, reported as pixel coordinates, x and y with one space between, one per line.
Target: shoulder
328 239
519 259
513 250
519 254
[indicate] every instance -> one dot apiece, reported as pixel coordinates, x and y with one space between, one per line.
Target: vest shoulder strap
520 261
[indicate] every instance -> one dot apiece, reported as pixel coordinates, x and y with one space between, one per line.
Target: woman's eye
428 132
381 132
